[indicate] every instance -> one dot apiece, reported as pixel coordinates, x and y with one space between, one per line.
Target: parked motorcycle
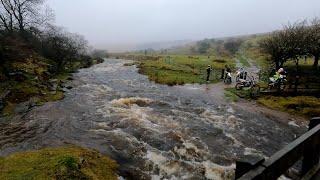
251 84
245 83
278 83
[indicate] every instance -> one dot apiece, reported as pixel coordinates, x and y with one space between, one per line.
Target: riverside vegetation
36 59
29 74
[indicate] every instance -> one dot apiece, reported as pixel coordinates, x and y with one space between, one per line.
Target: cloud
108 23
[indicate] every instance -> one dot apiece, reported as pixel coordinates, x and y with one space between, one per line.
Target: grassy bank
58 163
30 80
33 70
307 106
179 69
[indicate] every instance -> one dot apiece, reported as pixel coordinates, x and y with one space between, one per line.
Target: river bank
58 163
151 130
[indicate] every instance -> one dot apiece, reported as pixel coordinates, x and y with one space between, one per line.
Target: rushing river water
153 131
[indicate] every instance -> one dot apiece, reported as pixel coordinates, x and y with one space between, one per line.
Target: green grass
234 95
178 69
230 95
58 163
243 60
8 109
306 106
250 49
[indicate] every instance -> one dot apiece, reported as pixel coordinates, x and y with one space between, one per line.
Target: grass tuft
230 95
58 163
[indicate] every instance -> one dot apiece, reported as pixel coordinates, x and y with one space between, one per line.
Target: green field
179 69
307 106
244 61
58 163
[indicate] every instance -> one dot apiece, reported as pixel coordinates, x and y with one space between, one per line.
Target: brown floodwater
153 131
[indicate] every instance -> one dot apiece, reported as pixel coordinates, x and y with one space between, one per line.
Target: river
153 131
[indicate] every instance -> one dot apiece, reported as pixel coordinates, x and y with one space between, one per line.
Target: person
240 74
279 74
209 69
228 70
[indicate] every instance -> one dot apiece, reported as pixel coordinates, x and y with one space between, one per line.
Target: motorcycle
278 83
242 83
251 84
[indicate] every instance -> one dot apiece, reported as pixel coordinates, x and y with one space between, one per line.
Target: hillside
216 45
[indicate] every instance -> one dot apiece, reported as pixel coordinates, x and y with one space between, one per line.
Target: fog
124 24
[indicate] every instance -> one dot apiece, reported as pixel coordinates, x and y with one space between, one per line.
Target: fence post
311 153
244 166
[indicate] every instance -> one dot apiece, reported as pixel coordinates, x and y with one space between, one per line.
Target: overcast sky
119 23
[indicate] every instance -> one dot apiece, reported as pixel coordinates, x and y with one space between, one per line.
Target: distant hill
161 45
218 46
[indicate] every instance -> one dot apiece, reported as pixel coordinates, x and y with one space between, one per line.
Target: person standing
209 70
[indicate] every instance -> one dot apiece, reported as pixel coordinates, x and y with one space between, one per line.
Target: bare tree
63 47
313 36
289 43
6 15
23 14
274 46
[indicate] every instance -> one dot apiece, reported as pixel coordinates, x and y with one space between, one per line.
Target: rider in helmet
279 74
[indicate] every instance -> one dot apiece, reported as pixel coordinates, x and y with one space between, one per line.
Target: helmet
281 70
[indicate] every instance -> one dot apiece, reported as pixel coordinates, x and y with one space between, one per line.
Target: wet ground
153 131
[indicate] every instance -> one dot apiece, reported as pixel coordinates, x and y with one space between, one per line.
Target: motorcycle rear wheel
239 86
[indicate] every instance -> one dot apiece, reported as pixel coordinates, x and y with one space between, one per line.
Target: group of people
209 71
242 74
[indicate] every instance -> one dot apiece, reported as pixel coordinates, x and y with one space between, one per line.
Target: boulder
53 80
65 89
69 87
53 92
21 108
53 87
18 76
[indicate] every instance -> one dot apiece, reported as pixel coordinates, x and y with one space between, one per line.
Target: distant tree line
29 22
295 41
228 46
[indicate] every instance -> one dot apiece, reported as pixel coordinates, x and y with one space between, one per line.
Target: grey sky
121 23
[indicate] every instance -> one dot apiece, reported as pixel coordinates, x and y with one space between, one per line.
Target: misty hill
218 46
161 45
